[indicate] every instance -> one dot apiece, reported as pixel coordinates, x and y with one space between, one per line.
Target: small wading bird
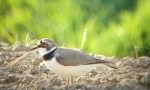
66 62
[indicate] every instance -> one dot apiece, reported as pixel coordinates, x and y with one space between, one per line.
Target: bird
66 62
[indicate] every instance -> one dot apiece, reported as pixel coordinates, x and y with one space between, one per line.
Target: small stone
1 49
1 62
36 61
48 87
119 64
125 87
144 62
140 88
93 72
146 80
45 70
10 78
56 82
93 88
97 81
28 79
113 79
34 71
76 87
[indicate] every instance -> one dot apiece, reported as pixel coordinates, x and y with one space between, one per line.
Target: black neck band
49 55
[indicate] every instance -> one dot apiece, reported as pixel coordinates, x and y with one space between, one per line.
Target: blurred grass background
109 27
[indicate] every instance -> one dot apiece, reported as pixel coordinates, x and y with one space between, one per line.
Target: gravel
132 74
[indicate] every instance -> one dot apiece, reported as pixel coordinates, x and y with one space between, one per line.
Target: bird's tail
108 63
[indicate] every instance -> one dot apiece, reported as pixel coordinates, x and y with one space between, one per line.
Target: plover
64 61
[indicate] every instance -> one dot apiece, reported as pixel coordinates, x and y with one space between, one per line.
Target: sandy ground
132 74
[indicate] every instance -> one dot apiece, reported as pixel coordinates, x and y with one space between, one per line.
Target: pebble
56 82
9 79
36 61
47 87
146 80
28 79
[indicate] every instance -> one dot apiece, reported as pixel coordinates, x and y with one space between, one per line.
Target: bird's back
73 57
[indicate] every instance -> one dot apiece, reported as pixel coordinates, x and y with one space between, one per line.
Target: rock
36 61
144 62
138 78
45 70
6 88
93 88
9 79
146 80
1 62
28 79
76 87
56 82
93 72
125 87
119 63
47 87
140 88
113 79
1 49
34 71
129 63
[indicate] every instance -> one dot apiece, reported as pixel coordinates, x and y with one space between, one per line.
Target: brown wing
69 57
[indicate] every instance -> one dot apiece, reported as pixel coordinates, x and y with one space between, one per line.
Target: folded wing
69 57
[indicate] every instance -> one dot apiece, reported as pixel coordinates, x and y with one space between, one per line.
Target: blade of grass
83 38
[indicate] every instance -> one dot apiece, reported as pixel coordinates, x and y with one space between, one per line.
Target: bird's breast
55 67
66 71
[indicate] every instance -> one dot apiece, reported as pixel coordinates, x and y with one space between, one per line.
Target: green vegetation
108 27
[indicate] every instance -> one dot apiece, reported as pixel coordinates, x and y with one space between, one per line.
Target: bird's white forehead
39 42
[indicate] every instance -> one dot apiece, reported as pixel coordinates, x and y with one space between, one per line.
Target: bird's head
45 46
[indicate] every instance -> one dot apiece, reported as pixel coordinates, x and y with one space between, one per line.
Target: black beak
35 47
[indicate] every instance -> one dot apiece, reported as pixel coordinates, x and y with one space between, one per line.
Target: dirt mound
132 74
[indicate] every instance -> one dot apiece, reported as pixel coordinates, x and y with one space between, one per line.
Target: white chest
66 71
55 67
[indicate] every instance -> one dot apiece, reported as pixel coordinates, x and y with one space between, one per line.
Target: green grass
112 27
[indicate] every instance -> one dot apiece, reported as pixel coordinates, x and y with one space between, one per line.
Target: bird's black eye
44 44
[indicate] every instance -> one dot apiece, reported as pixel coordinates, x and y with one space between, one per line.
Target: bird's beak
35 47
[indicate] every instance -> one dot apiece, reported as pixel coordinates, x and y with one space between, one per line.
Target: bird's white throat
44 51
